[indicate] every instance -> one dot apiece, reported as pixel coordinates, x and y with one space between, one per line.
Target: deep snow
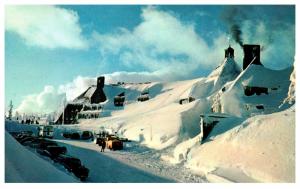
250 146
21 165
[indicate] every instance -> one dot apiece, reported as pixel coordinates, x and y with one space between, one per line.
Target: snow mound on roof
227 71
21 165
262 148
232 100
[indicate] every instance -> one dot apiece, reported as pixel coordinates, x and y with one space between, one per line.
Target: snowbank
21 165
260 149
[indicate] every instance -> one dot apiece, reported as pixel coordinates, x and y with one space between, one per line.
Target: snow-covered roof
86 95
260 76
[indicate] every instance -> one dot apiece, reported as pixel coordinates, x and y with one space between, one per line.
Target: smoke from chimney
233 15
236 34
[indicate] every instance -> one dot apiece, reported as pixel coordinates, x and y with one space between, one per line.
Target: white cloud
48 101
161 43
45 26
76 87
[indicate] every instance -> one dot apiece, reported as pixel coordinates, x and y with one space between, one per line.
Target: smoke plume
236 34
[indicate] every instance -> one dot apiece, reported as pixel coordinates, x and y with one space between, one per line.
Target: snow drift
261 149
21 165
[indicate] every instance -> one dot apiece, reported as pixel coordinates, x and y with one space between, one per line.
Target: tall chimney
251 55
229 52
100 82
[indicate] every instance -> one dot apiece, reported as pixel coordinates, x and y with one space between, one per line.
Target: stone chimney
100 82
251 55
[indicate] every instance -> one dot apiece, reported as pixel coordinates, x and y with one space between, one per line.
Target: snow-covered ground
251 145
134 164
22 165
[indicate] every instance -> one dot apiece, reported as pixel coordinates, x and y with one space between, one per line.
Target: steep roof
86 95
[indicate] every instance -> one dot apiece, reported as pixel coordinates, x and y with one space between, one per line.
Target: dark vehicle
25 139
73 164
22 135
56 150
45 144
75 136
44 152
81 172
69 162
86 135
67 135
52 151
36 142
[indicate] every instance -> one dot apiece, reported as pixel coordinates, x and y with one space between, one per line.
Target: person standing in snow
103 144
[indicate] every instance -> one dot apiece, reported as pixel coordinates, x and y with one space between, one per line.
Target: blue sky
52 50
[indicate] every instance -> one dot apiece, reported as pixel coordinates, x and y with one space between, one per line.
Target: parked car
67 135
44 152
73 164
36 142
69 162
25 139
56 150
75 136
86 135
81 172
44 144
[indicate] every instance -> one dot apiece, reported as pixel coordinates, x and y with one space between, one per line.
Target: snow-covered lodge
85 105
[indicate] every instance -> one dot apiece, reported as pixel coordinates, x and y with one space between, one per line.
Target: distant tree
10 110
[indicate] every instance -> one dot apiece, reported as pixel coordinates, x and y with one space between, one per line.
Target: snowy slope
160 117
246 147
21 165
227 71
233 100
161 121
261 149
